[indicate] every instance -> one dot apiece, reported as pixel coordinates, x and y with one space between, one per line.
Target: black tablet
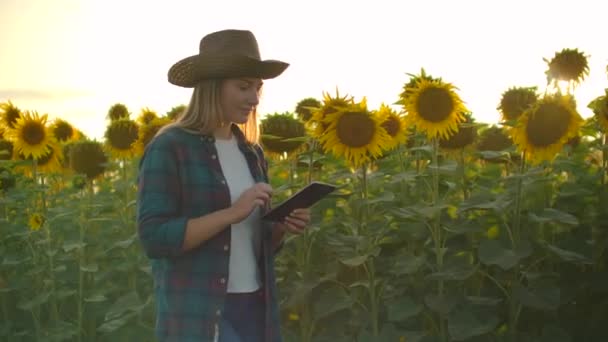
304 198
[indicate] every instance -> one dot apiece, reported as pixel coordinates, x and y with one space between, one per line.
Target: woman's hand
296 222
256 196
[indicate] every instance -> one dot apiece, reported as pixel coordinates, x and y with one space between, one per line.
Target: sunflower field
442 228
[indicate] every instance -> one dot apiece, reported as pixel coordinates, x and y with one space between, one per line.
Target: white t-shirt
245 244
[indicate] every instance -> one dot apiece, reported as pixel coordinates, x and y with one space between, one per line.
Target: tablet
304 198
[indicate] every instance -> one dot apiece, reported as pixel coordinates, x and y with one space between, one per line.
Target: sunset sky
75 58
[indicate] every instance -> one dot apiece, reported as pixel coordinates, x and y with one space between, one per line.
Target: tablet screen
304 198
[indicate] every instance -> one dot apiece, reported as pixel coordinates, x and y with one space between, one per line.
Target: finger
259 202
295 222
305 217
264 187
293 229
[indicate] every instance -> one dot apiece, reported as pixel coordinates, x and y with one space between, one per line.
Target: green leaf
408 264
464 324
454 272
115 324
332 300
448 168
70 246
128 302
34 302
402 309
355 261
545 298
569 256
441 303
484 301
89 268
491 252
552 333
554 215
96 298
485 201
502 155
386 196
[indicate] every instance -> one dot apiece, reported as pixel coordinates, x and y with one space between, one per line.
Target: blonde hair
204 113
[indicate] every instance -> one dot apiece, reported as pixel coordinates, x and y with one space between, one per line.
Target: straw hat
225 54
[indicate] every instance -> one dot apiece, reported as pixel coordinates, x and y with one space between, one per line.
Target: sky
74 59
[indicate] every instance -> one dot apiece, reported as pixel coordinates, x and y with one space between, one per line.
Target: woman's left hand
296 222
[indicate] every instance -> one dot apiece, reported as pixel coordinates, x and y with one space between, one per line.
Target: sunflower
599 106
329 106
515 101
464 137
568 65
147 132
146 116
50 162
282 133
394 124
6 149
118 111
9 114
121 137
543 130
305 108
175 112
434 108
410 87
35 221
493 139
62 130
88 158
355 134
31 136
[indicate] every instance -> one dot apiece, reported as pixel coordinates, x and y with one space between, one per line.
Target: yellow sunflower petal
31 136
394 124
434 108
543 130
355 134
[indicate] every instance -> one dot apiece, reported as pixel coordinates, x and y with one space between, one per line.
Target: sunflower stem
465 191
595 233
514 307
311 155
518 199
437 236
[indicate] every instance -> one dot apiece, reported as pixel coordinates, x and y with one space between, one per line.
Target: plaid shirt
180 178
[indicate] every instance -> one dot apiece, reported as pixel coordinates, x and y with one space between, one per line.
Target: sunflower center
63 131
391 125
355 129
33 133
435 104
547 124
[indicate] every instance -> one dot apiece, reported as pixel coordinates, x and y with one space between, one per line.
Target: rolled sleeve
160 228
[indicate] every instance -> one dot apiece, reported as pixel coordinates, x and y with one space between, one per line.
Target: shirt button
223 280
213 156
223 181
226 247
218 312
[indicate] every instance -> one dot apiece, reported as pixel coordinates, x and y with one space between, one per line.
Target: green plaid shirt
180 178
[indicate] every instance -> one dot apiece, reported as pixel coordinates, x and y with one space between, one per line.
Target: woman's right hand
256 196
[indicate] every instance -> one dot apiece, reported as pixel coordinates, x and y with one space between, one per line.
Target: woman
203 186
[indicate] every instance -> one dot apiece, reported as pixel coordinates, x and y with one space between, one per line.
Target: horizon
74 60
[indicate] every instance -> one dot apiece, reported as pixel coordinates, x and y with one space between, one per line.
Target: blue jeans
244 318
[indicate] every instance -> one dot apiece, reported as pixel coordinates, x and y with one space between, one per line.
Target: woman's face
239 98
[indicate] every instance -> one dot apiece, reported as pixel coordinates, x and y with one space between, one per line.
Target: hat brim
191 70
